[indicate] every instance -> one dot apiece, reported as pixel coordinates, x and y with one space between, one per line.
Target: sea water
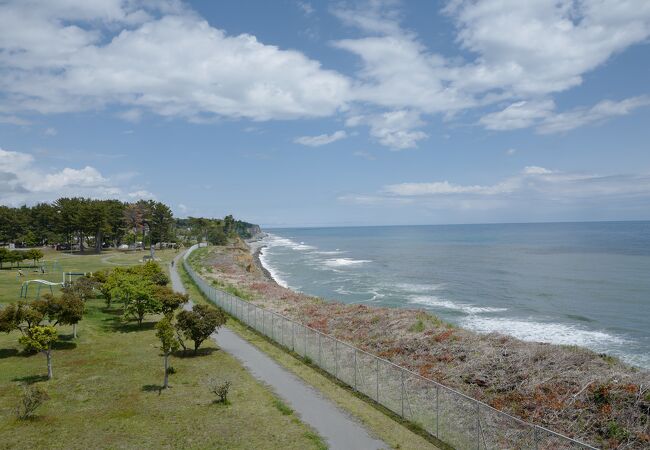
585 284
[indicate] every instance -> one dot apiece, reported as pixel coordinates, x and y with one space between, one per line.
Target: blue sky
296 113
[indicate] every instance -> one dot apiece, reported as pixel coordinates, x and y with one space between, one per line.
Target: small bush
308 360
220 389
417 327
32 398
171 370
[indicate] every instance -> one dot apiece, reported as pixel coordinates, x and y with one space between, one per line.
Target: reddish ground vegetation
591 397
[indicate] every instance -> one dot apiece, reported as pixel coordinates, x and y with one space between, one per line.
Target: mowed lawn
105 392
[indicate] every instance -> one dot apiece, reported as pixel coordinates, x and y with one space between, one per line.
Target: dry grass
591 397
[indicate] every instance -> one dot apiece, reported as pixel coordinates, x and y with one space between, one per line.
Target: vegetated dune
594 398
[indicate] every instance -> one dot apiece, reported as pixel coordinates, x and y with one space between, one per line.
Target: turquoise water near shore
584 284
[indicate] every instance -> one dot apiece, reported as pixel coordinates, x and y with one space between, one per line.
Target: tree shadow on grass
189 353
30 379
8 352
64 345
117 324
152 388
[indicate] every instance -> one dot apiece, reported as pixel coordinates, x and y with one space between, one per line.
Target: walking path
335 426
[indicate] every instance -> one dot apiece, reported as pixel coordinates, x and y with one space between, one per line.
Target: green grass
375 418
106 389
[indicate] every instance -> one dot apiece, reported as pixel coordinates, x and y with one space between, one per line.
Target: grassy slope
105 390
375 419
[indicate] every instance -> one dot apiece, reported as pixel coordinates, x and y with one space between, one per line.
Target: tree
168 343
83 287
169 299
198 324
67 309
137 295
4 256
16 256
40 338
34 254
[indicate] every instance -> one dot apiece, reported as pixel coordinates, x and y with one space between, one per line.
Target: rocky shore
588 396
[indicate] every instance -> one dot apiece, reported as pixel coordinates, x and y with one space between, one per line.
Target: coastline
547 384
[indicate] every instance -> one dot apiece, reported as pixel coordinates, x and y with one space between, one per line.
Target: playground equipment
69 276
40 283
67 279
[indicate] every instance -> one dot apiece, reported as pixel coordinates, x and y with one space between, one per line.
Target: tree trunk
48 354
74 330
166 383
98 241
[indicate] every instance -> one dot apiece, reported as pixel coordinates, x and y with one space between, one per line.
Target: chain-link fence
452 417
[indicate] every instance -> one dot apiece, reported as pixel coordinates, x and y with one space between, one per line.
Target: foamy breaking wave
272 240
554 333
417 288
437 302
274 273
344 262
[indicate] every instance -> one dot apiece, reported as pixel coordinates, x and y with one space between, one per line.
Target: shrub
220 389
32 398
417 327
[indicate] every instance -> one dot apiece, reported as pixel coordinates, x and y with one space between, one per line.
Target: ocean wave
553 333
344 262
329 252
275 274
432 300
271 240
416 288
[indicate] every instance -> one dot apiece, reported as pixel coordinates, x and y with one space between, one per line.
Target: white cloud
14 120
393 129
22 181
518 115
533 185
540 47
518 51
162 58
133 115
51 131
141 194
602 111
322 139
536 170
511 151
542 115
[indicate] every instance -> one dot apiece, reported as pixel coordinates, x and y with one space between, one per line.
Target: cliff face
254 230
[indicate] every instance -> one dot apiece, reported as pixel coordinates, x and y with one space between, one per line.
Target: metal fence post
272 326
320 352
293 346
437 410
402 391
336 359
478 426
535 437
377 396
305 336
355 368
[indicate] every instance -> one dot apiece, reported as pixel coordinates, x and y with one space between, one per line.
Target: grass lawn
105 391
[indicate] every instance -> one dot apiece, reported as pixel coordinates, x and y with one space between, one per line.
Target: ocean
585 284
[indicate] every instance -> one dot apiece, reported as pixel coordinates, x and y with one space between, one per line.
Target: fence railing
452 417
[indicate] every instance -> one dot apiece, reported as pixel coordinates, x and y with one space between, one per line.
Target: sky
313 113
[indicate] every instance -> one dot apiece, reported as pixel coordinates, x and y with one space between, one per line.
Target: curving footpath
335 426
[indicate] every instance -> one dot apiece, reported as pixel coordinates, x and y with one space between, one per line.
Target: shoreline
546 384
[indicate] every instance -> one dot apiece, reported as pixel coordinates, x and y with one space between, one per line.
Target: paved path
337 427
